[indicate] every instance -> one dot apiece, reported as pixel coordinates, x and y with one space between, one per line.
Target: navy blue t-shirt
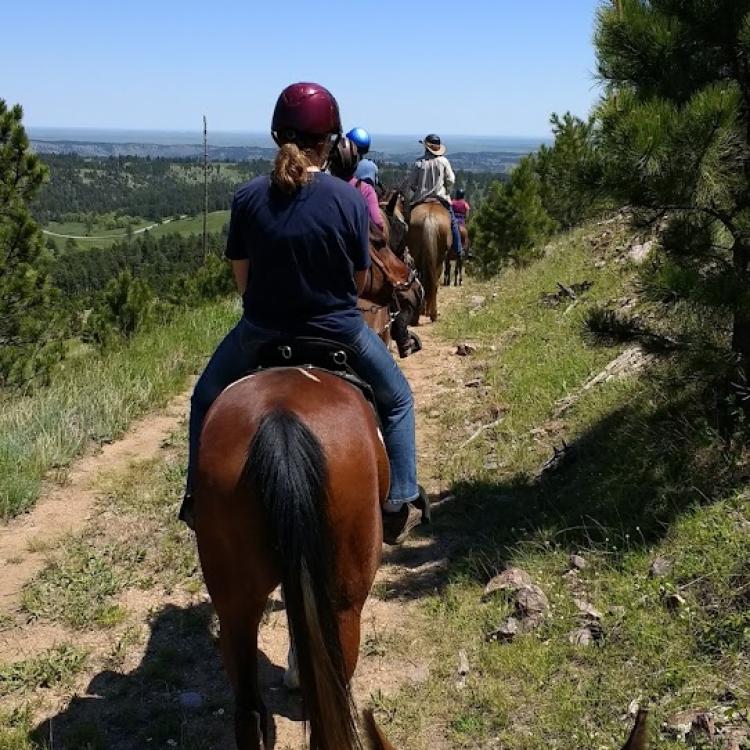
303 252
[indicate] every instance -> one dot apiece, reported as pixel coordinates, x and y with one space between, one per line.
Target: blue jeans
455 231
238 353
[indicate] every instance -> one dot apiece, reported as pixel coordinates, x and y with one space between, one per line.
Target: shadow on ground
147 706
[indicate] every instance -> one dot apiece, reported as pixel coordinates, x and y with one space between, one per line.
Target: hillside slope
592 470
595 471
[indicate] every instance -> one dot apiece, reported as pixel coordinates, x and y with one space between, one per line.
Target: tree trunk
741 323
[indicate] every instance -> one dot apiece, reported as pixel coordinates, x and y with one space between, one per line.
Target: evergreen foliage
160 262
151 188
29 325
124 307
675 136
511 221
558 187
570 171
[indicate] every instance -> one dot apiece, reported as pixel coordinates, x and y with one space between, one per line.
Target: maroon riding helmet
305 112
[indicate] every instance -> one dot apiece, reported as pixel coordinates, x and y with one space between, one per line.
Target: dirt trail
66 509
389 617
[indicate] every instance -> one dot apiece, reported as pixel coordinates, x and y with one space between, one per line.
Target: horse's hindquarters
340 419
429 239
290 478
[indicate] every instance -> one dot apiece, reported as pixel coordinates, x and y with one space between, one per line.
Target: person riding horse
461 206
299 248
345 161
367 169
432 177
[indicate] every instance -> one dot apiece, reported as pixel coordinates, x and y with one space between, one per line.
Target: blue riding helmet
361 138
367 171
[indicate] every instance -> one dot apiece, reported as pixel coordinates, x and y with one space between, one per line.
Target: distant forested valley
123 245
157 188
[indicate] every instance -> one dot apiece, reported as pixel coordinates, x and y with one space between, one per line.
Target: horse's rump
429 238
290 478
334 411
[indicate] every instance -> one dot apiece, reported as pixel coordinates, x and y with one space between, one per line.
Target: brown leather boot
397 526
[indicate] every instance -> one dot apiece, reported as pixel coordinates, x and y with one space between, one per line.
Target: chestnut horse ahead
391 295
291 476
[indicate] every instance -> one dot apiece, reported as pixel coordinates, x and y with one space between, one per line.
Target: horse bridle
397 286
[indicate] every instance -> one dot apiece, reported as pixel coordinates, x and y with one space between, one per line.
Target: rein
374 310
396 286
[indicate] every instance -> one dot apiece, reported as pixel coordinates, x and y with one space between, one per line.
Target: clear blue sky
486 67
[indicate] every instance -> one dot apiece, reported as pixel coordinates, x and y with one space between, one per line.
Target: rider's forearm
240 269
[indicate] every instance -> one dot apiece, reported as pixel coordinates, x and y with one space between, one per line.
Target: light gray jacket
431 177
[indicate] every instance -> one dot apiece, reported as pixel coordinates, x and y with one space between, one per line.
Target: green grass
96 397
649 476
78 586
58 666
15 728
192 224
136 541
100 236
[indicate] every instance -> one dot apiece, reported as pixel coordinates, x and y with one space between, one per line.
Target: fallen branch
482 429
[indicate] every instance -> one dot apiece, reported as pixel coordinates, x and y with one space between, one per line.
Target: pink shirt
371 199
461 208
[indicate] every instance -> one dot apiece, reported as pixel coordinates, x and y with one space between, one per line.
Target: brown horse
429 239
392 295
395 226
291 476
452 256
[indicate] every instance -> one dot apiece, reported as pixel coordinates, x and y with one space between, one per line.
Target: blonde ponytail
290 169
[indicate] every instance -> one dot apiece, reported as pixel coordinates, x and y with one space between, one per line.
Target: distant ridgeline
475 161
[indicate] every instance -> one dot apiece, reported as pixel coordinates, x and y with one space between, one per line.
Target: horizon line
268 134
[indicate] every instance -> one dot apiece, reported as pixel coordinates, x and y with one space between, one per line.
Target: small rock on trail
577 562
511 579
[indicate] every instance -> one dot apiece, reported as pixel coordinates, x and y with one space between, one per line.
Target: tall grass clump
96 396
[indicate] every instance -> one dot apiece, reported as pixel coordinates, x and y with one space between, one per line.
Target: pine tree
29 328
570 171
511 221
675 127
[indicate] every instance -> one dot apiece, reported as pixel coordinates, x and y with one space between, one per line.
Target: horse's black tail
287 467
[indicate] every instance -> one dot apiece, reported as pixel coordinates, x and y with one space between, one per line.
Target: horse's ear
638 739
376 738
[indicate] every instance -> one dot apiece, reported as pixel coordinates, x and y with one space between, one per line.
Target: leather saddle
311 352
